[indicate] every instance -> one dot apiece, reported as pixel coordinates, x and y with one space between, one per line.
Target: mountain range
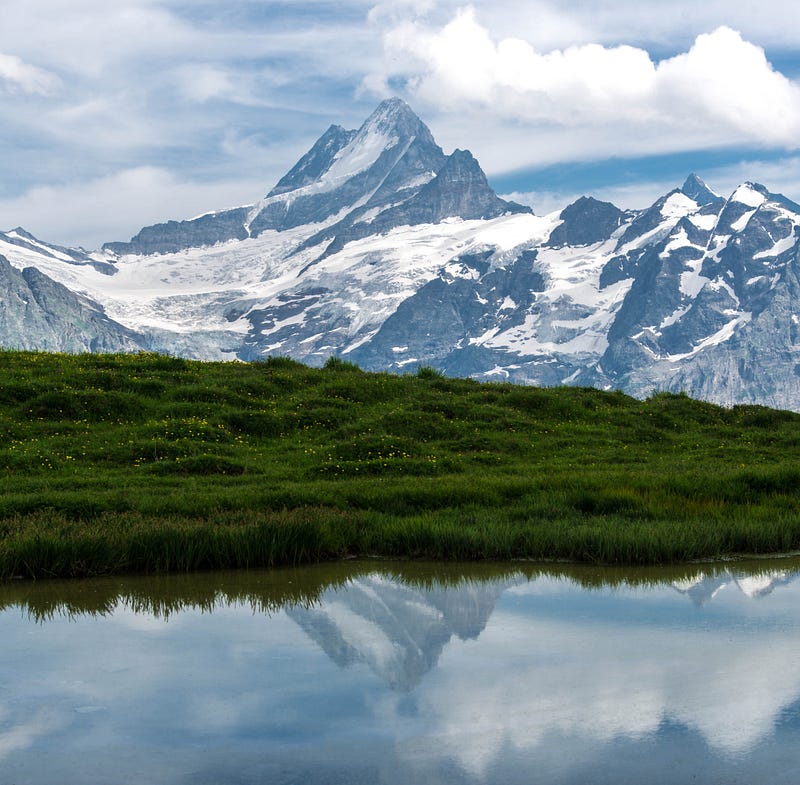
379 248
400 631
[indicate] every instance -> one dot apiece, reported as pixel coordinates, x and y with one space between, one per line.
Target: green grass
146 463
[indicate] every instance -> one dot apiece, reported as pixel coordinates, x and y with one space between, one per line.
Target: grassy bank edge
46 544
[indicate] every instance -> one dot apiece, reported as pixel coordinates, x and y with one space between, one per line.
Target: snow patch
691 282
496 371
720 336
679 241
675 316
719 285
742 222
786 244
357 156
747 195
678 205
704 222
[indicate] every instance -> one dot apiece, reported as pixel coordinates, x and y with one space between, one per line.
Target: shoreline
114 464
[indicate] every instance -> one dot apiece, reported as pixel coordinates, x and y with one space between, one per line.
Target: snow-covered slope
378 247
398 631
704 588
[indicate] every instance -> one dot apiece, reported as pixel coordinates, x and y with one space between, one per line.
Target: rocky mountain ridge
379 248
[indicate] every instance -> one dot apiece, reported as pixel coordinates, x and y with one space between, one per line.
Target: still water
388 673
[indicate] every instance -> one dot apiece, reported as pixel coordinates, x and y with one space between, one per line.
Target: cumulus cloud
722 91
558 24
18 76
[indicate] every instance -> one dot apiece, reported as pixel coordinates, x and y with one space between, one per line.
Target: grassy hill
140 463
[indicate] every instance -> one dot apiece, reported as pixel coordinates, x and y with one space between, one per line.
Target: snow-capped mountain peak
378 247
392 114
698 191
392 125
750 194
316 162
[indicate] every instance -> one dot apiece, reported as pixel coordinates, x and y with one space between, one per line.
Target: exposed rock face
459 190
20 239
378 248
39 313
697 190
585 222
712 307
174 236
315 162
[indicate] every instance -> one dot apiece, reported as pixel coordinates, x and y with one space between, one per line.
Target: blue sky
116 115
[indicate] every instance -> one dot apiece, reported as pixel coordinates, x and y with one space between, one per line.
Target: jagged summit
750 194
315 162
345 173
393 114
377 247
586 221
461 166
460 189
696 189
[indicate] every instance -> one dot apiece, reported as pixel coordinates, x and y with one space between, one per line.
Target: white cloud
18 76
27 733
592 101
728 684
559 24
142 83
779 176
115 207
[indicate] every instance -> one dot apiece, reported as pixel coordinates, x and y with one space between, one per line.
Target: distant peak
588 205
750 194
315 162
586 221
694 181
696 189
461 165
393 105
583 202
393 114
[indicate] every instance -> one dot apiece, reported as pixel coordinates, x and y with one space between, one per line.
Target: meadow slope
147 463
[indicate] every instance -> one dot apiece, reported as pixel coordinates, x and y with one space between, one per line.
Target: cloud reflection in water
385 680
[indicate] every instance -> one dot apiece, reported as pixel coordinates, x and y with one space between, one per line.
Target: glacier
379 248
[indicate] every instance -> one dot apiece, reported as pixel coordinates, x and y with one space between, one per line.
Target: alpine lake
404 673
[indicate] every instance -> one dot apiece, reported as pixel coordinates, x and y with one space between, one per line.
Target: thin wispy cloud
18 76
217 93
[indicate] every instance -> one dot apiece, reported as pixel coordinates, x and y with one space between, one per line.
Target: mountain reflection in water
403 673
